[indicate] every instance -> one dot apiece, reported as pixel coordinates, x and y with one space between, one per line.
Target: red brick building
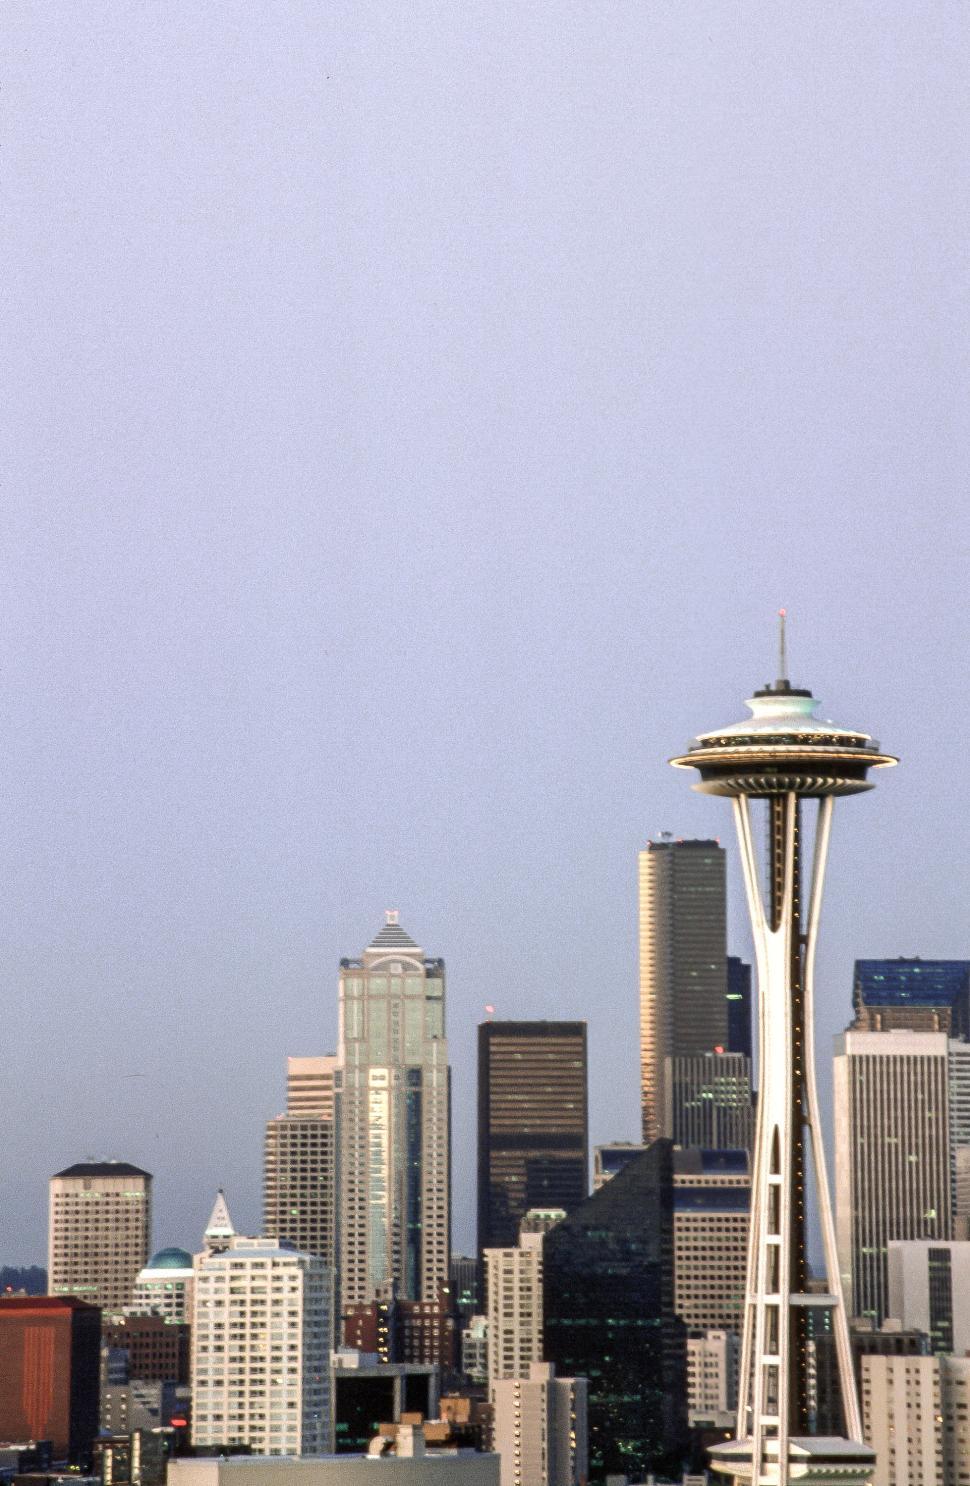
158 1350
49 1368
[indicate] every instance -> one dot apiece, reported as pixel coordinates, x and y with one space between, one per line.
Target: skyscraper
912 996
99 1231
786 756
394 1122
892 1161
712 1203
683 963
739 1006
532 1123
513 1300
261 1328
609 1316
299 1183
707 1101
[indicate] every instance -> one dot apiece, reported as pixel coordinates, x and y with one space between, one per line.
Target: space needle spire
784 755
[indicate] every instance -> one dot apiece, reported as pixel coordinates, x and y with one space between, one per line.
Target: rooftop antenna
782 650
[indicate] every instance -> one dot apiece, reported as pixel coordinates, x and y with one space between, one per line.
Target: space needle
783 754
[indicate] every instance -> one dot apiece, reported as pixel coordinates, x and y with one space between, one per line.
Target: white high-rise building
513 1300
261 1329
394 1122
929 1290
540 1429
892 1158
99 1232
712 1372
916 1415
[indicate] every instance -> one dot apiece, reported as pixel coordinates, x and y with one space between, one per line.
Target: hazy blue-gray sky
414 415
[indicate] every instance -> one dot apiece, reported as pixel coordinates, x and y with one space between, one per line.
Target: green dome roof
170 1259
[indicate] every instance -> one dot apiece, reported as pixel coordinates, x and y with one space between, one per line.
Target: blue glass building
918 995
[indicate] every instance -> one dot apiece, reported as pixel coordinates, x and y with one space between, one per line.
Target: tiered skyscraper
394 1122
784 755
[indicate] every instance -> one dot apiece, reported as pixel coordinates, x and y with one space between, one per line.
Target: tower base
813 1460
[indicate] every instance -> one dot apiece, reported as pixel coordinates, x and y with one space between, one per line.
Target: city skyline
411 432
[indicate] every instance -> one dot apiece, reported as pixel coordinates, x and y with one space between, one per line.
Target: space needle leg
764 1404
840 1324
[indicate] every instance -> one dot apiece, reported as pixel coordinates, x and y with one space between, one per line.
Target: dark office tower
464 1286
913 996
49 1365
609 1317
707 1101
739 1006
532 1124
683 969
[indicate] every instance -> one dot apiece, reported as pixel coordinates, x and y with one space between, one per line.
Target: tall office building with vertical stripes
532 1124
683 965
892 1158
394 1135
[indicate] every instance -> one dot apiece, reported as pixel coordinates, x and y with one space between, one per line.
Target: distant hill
31 1278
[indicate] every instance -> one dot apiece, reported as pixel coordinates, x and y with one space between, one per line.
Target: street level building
49 1356
368 1393
892 1161
532 1123
404 1462
394 1122
98 1232
539 1428
683 964
916 1416
261 1337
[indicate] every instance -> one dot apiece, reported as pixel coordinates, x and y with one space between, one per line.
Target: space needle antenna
782 647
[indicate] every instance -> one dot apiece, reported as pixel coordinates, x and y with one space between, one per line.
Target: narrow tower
784 755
